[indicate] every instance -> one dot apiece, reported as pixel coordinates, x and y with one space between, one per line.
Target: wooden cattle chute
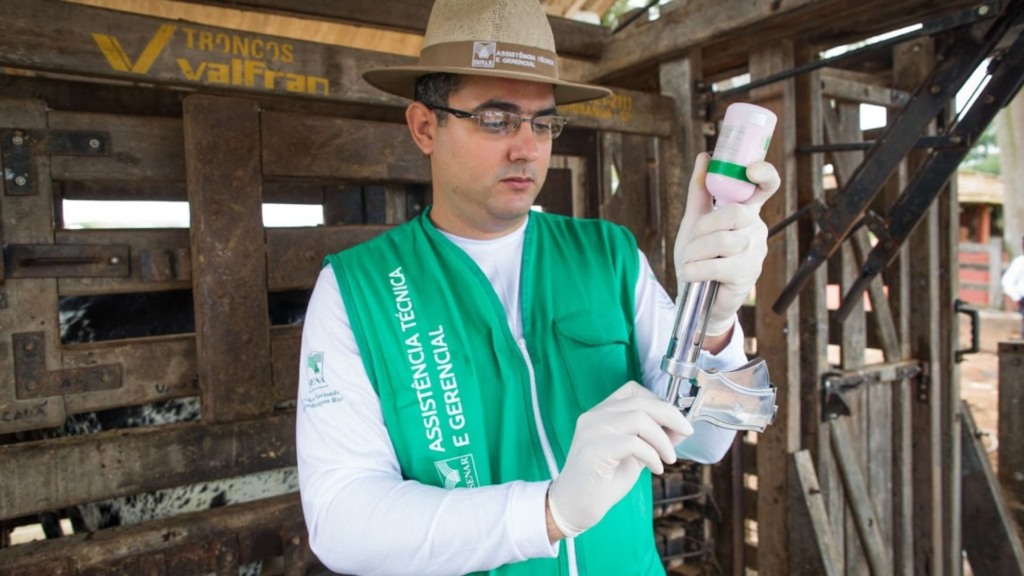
861 471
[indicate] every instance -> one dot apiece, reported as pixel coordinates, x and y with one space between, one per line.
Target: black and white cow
111 317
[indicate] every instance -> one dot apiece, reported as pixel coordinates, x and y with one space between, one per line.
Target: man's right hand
614 441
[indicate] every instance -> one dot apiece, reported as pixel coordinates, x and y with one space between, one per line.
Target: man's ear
422 125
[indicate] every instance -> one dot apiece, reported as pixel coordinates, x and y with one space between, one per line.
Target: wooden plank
823 555
154 544
860 93
161 258
990 535
897 279
141 148
677 153
336 147
229 270
274 191
814 319
172 53
296 254
164 367
29 304
859 499
220 60
572 38
1011 418
628 111
782 350
913 62
155 369
51 474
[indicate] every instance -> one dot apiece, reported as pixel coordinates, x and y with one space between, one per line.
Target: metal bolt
115 260
18 140
106 377
982 10
935 89
295 540
94 143
32 386
20 180
29 346
309 255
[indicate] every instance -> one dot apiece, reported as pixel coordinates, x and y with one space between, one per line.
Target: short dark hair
436 89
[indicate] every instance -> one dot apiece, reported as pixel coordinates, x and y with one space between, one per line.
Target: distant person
1013 284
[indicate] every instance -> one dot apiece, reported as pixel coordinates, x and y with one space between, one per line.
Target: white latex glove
613 442
727 244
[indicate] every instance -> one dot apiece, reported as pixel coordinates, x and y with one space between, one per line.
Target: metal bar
962 18
906 212
962 57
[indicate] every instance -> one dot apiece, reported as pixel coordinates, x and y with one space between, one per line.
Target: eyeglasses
504 123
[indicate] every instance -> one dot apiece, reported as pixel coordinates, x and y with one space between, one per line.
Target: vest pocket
594 347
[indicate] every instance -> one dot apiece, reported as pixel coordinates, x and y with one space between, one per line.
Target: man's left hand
728 244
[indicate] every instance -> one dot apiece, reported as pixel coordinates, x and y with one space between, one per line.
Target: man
469 399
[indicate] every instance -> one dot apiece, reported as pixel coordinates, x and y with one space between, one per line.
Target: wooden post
676 154
778 335
28 304
229 263
913 62
1011 421
814 326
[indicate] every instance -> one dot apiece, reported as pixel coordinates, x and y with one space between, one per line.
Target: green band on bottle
728 169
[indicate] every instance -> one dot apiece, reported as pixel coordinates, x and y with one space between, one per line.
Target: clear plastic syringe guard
741 399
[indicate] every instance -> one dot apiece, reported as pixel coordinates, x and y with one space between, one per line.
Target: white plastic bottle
743 139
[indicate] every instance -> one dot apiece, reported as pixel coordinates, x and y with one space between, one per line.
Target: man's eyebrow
506 106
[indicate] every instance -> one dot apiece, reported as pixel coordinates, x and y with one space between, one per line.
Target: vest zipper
545 445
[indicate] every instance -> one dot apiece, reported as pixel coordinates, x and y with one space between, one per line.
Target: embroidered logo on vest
458 472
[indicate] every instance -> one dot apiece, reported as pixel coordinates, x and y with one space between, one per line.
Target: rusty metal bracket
67 261
835 384
963 55
33 380
18 147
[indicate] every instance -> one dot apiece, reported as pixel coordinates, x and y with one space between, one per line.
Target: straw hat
500 38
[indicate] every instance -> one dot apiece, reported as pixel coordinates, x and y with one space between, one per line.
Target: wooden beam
857 495
193 543
811 520
229 267
52 474
182 57
572 38
990 535
1011 418
29 304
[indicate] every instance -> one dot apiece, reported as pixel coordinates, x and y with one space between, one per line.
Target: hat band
483 56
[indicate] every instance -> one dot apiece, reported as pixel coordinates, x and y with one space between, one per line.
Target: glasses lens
548 126
498 122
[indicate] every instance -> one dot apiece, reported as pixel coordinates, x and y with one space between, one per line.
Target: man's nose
526 146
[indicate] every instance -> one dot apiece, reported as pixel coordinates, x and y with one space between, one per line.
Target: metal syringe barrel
680 361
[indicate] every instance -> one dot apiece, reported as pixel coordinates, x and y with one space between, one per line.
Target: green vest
455 385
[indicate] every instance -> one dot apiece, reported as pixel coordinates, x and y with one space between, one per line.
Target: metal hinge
18 146
33 380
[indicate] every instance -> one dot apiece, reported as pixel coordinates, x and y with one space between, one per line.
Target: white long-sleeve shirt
364 518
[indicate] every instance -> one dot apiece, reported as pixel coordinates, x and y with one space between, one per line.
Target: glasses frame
515 121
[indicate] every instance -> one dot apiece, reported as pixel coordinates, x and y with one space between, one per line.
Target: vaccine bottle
743 139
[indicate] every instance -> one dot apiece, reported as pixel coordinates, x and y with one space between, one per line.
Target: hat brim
401 81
